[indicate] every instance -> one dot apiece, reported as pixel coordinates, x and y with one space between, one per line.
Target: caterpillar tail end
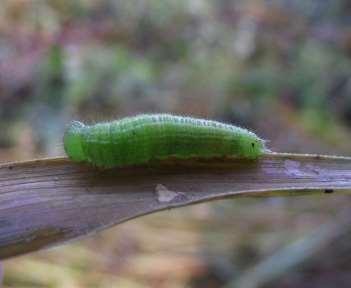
72 141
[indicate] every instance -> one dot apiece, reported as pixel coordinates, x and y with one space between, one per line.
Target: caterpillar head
252 146
72 141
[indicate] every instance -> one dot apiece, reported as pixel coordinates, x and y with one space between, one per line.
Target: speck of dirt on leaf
328 191
165 195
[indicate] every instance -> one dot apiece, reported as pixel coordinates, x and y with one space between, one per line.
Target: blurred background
281 68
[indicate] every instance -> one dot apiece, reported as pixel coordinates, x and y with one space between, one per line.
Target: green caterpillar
140 139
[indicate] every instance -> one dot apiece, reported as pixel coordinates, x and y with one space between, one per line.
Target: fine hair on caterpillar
143 138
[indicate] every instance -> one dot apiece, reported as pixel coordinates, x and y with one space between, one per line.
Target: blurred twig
49 201
295 254
1 274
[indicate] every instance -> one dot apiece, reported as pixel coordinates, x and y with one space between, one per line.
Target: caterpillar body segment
140 139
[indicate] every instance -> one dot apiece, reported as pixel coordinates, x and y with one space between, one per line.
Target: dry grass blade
49 201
